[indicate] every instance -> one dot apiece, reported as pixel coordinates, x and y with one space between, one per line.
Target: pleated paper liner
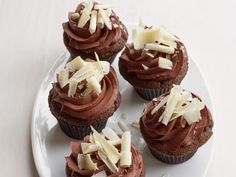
149 94
171 159
80 131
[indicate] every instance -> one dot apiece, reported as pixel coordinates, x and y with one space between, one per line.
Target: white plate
50 145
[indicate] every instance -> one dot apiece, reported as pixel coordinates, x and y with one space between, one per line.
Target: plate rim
33 118
59 59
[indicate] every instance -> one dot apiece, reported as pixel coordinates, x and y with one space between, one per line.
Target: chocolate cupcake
94 28
109 156
154 61
86 94
175 125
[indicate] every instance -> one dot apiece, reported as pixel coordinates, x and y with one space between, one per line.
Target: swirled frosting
135 170
82 39
86 107
178 134
131 66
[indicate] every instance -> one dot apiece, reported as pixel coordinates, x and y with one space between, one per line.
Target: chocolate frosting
81 39
178 133
90 106
135 170
131 60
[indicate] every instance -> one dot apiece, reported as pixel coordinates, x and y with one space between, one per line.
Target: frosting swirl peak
86 107
85 90
131 62
74 165
106 33
177 135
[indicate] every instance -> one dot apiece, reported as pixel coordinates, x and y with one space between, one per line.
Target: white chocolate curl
126 156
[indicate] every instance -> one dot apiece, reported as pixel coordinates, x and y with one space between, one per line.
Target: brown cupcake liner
171 159
110 59
80 131
149 94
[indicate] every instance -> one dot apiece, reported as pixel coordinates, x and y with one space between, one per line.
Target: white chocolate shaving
90 147
100 174
75 64
167 35
150 54
91 140
192 116
179 103
135 123
123 126
85 16
126 141
169 43
74 15
96 56
105 18
126 156
105 67
165 63
159 105
110 134
100 22
93 147
160 48
115 142
141 38
102 6
116 26
92 72
94 84
111 165
109 12
81 86
190 110
145 67
124 116
63 77
102 66
185 97
84 146
87 91
89 164
99 67
171 104
110 150
93 22
85 162
73 83
83 73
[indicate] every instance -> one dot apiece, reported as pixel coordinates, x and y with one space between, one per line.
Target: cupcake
85 94
107 155
93 28
154 61
175 125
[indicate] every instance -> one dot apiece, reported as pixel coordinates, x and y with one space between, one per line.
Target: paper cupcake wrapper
171 159
79 132
110 59
149 94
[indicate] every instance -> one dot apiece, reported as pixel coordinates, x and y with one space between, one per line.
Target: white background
31 40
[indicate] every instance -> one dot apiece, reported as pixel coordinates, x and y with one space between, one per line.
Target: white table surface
31 40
